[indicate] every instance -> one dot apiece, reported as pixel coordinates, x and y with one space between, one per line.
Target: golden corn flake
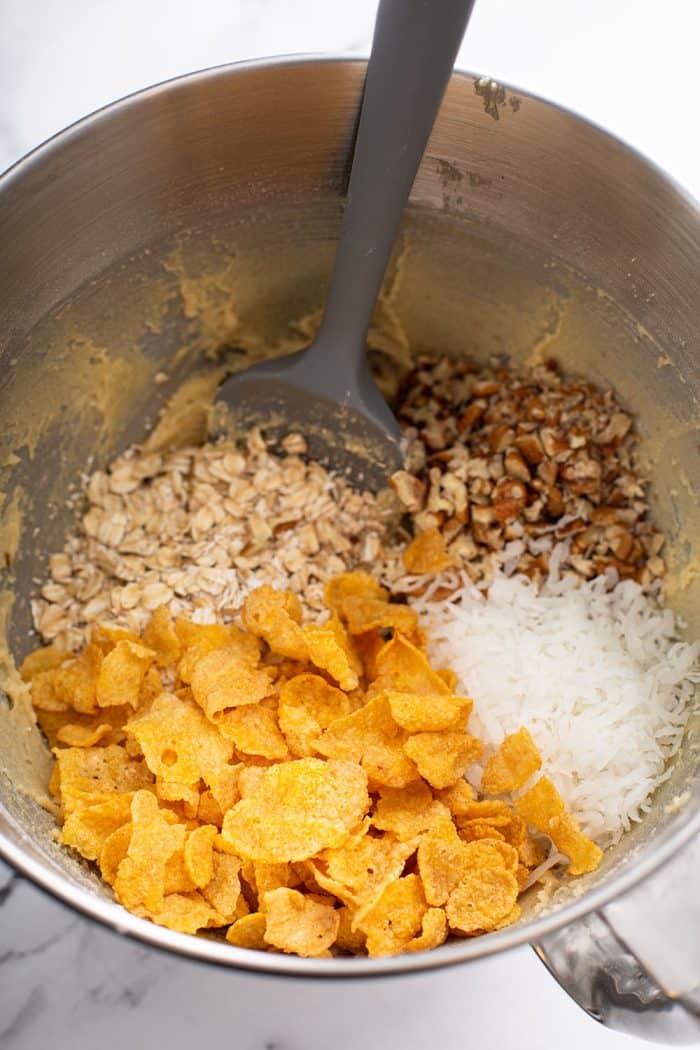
427 553
358 872
160 636
208 809
199 854
180 745
184 912
41 660
515 761
492 811
583 854
113 852
197 640
275 616
88 827
442 758
75 730
349 940
396 917
89 775
531 851
307 705
298 809
433 932
72 685
254 731
402 667
441 856
76 735
248 932
407 811
268 877
370 736
141 876
249 779
458 797
481 900
121 674
543 807
44 694
223 679
351 585
331 649
416 712
223 891
177 878
449 677
362 613
298 924
476 830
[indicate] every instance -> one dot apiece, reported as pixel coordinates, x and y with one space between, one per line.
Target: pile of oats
196 529
509 466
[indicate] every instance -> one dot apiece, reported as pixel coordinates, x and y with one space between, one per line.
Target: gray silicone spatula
327 391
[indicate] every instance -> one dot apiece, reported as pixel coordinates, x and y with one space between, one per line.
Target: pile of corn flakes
299 786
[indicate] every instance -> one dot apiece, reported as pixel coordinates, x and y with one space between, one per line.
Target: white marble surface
66 983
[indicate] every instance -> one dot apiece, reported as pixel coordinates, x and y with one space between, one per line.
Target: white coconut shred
595 671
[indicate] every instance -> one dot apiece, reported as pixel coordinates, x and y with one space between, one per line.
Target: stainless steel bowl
203 213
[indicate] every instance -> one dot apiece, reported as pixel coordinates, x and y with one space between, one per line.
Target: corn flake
349 940
362 613
417 712
331 649
248 932
441 859
275 616
114 849
442 758
184 912
141 876
543 807
89 775
199 854
160 635
299 808
181 747
121 674
42 660
351 585
223 891
296 923
427 553
199 639
396 917
307 705
223 680
357 872
407 811
481 900
88 827
370 736
513 764
433 932
403 668
254 731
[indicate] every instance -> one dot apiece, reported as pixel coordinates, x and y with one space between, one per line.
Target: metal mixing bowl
202 213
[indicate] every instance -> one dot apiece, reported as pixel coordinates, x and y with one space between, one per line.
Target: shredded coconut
596 672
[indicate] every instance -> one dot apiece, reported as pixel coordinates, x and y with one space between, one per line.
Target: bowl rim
112 915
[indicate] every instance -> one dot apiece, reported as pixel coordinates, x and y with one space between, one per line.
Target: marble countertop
68 983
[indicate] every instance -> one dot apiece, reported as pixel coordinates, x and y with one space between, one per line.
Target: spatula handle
413 52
